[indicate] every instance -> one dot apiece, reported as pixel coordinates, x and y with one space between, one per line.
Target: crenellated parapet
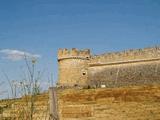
129 67
73 65
73 53
128 55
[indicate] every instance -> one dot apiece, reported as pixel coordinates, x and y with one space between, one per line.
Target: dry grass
128 103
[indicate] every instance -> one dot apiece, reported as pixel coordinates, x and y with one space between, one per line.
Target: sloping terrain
127 103
19 108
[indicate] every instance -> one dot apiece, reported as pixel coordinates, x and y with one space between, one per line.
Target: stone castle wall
125 74
131 67
73 65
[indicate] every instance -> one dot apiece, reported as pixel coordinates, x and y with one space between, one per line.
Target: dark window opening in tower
83 73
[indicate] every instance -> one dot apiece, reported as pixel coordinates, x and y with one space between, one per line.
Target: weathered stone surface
132 67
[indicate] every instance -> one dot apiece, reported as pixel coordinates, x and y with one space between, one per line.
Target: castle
131 67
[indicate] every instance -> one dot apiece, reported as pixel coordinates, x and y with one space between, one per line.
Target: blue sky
42 26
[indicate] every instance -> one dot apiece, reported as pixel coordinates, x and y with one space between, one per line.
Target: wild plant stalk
28 89
117 75
10 83
32 89
2 92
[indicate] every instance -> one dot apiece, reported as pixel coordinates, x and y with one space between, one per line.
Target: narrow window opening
83 73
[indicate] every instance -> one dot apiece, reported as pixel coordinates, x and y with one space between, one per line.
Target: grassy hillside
19 108
129 103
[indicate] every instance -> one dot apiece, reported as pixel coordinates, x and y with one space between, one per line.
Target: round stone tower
73 67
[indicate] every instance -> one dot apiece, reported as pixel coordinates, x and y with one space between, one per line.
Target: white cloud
17 55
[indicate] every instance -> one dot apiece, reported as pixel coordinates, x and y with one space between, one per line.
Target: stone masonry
131 67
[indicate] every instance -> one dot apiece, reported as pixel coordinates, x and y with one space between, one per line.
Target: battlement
73 53
129 67
128 55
